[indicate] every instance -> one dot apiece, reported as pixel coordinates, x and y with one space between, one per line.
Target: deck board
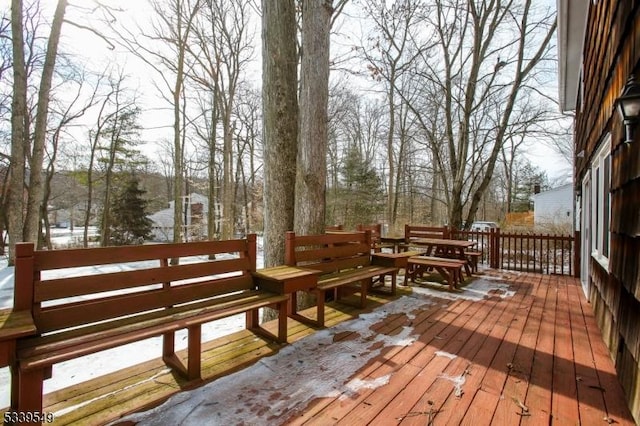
530 357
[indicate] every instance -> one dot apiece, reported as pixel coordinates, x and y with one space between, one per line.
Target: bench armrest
13 325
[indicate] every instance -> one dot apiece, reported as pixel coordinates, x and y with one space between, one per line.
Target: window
601 196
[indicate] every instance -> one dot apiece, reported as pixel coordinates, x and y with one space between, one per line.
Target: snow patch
313 367
458 382
478 289
355 385
446 354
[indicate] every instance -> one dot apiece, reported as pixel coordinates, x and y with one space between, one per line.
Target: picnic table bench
449 269
343 259
85 313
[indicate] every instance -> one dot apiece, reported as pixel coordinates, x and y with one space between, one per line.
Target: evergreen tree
129 224
362 189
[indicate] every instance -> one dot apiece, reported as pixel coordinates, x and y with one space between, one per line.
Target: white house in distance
196 208
554 206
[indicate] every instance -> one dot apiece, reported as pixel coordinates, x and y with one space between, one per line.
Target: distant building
554 206
196 209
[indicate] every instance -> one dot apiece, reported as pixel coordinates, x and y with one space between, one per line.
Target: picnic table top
443 242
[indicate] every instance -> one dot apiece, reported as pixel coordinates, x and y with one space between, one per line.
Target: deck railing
527 252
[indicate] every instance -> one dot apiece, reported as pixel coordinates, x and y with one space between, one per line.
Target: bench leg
168 344
29 390
282 321
252 319
393 283
320 305
195 355
364 285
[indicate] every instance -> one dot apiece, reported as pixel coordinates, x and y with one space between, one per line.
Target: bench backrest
424 231
329 252
330 228
138 279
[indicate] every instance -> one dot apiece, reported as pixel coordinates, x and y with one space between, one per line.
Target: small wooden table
396 240
287 280
395 260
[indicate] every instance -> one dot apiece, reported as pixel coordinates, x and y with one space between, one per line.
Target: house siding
554 206
611 53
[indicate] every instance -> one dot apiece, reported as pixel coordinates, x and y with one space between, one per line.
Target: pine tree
129 224
362 189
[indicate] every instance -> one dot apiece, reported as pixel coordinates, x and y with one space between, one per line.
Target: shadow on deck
510 348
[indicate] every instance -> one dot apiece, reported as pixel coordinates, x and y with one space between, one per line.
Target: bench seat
44 351
449 269
474 258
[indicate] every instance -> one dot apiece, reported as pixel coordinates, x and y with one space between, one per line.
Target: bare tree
24 219
390 55
165 49
222 52
314 93
280 110
483 61
66 114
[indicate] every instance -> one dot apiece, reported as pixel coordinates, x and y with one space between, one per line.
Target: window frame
601 199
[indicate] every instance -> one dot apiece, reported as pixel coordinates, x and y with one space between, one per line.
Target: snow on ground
296 375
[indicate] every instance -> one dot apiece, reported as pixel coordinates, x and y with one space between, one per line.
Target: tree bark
311 174
280 106
19 132
34 203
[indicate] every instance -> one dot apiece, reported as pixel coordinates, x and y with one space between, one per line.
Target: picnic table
444 247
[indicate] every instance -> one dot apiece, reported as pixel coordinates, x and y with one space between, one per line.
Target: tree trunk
311 175
32 219
19 132
279 89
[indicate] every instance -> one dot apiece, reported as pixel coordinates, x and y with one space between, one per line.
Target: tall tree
222 52
121 133
390 54
314 94
164 47
24 218
477 59
280 106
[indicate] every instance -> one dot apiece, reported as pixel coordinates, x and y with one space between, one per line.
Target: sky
158 120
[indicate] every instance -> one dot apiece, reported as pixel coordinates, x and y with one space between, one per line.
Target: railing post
23 279
496 248
492 248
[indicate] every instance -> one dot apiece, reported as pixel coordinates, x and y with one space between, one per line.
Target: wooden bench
343 259
82 314
474 257
414 232
449 269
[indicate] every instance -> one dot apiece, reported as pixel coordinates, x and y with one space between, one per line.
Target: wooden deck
533 356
